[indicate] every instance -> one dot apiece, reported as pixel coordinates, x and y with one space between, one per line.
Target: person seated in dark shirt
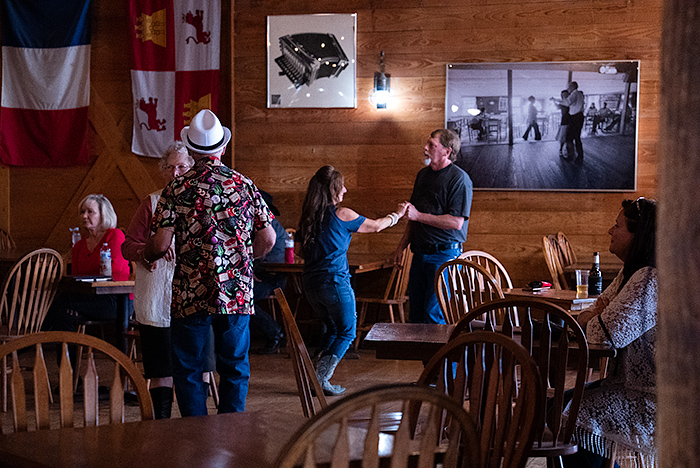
264 285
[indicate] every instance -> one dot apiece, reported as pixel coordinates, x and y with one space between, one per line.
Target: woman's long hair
640 217
323 190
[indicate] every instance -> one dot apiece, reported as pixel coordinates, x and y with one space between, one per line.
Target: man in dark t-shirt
438 214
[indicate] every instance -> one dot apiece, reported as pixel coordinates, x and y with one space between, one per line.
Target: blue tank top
328 255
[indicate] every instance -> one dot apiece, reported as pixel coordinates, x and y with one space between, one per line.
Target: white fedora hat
205 134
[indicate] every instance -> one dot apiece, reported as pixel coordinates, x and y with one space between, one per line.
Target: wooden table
407 341
564 298
358 264
227 440
121 289
420 341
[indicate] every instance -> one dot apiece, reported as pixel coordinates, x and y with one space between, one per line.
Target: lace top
620 413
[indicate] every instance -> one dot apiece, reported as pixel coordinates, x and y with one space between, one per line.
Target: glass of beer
582 284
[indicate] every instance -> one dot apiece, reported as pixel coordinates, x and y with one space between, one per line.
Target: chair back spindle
462 285
41 381
304 372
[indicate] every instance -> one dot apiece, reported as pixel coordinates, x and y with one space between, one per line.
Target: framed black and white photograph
311 60
569 126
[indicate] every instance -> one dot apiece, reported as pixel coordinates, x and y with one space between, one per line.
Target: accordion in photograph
309 56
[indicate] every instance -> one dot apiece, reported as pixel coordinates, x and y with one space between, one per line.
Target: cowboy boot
324 371
162 401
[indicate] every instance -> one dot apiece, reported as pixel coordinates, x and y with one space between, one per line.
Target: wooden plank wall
43 202
380 151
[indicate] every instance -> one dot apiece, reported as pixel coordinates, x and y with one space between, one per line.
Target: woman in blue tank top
324 236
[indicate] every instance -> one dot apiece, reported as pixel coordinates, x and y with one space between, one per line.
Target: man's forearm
445 221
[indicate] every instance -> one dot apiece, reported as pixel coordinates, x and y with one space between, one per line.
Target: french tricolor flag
45 82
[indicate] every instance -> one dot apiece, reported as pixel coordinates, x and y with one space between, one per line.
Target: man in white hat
220 224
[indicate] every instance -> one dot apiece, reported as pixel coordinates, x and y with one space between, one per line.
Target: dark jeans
333 300
573 135
190 336
533 125
261 320
423 302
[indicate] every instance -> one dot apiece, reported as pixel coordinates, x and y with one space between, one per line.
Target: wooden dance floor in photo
536 165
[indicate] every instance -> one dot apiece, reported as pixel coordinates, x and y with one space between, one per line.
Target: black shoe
273 345
579 160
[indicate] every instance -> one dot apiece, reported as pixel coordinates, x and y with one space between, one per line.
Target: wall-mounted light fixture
381 91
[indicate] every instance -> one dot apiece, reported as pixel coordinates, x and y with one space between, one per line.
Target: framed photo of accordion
311 60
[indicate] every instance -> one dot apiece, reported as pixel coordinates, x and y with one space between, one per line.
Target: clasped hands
169 256
598 307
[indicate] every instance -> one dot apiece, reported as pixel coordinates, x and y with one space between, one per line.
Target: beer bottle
595 278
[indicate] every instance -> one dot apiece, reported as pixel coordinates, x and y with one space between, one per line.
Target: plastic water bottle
289 249
74 235
105 260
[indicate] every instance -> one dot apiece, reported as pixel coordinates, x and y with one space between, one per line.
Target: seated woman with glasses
617 415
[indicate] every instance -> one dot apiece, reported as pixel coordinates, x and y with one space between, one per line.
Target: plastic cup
582 284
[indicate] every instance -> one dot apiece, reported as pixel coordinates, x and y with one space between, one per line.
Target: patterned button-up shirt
214 211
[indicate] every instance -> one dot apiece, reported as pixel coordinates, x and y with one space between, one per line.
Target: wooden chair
307 382
6 242
123 369
568 256
550 248
461 285
394 295
492 265
478 370
550 335
445 437
27 294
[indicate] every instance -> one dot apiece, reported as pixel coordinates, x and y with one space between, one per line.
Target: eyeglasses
180 167
637 205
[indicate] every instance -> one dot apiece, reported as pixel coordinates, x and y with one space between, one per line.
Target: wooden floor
609 164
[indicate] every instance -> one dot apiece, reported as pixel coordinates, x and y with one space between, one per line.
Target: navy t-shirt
447 191
328 255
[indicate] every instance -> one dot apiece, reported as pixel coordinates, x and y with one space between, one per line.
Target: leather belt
435 248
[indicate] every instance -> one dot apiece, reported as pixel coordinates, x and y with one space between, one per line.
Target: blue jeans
423 304
190 336
333 299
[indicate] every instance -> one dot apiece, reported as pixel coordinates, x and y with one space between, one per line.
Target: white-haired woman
99 223
153 287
